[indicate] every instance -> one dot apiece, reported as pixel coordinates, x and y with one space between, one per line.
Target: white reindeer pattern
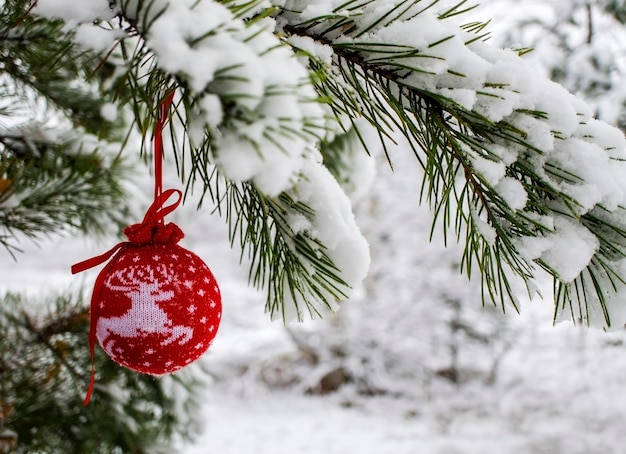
144 316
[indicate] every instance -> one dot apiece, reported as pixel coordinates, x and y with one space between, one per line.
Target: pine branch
42 61
56 183
294 267
495 140
440 129
43 380
60 177
413 89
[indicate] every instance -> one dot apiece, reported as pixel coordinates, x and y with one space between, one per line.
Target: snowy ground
281 424
554 389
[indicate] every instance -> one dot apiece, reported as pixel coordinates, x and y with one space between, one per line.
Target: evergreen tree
274 102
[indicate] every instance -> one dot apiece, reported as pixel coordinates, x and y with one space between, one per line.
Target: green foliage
53 185
57 171
440 132
584 62
290 265
61 172
364 79
281 259
61 168
43 379
42 66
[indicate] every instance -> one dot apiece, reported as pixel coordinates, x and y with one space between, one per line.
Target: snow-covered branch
537 162
533 177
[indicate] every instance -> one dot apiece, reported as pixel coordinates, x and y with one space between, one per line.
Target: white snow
322 51
96 38
333 224
604 182
109 111
501 86
513 193
571 248
272 127
219 55
74 12
492 171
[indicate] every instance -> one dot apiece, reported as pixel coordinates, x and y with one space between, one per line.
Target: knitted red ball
158 309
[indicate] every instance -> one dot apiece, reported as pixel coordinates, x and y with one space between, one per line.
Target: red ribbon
164 110
152 229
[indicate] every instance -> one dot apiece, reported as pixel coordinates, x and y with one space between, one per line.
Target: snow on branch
248 89
538 164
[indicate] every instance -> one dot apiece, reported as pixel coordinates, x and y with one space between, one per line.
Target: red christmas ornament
158 310
156 306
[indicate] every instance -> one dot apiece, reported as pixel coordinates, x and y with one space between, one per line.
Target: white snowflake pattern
188 284
191 309
203 320
201 292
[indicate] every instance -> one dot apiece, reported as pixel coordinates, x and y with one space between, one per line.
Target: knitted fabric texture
158 309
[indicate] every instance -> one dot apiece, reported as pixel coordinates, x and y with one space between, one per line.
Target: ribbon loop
158 210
